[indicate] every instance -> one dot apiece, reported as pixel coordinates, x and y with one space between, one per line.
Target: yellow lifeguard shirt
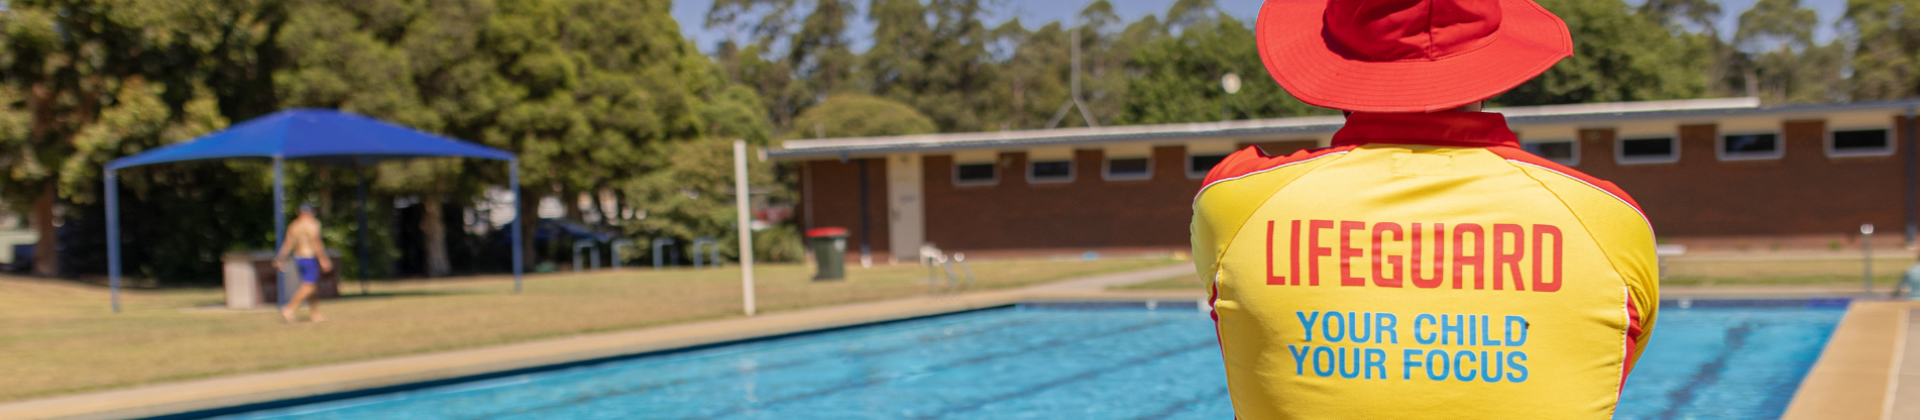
1423 267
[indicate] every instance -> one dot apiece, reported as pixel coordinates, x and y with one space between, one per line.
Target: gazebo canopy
313 134
322 135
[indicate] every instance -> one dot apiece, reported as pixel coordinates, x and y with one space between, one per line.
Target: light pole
1866 256
1231 84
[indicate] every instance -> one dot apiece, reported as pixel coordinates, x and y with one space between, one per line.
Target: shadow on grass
356 296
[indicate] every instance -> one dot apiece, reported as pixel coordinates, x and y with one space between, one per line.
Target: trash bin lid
827 231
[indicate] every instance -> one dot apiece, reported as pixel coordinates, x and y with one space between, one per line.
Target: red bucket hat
1407 55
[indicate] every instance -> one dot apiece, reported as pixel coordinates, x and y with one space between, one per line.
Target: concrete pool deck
214 393
1854 379
1859 375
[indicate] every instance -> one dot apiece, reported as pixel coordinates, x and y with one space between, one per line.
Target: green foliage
860 116
606 98
780 243
691 193
1886 61
1618 56
1182 79
1783 63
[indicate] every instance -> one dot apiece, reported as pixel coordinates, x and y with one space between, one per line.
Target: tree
1783 64
592 89
1701 14
66 64
415 62
935 58
817 62
1618 56
1034 79
860 116
1181 75
1886 58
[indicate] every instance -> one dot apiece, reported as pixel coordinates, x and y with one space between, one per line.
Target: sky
692 15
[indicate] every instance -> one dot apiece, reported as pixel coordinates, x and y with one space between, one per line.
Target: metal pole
513 177
866 225
280 222
1913 179
1866 249
360 174
740 197
113 238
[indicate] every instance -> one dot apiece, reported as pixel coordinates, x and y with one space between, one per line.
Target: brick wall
1803 192
1087 213
835 201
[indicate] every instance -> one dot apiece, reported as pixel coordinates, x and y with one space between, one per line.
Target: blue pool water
1058 363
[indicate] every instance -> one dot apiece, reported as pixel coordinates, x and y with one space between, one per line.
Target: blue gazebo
318 135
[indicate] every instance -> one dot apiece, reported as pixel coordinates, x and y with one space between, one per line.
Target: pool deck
1854 378
1860 375
207 394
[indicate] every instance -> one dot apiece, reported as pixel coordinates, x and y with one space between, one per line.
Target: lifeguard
1423 266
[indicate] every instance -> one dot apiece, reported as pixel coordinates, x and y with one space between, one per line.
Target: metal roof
1517 116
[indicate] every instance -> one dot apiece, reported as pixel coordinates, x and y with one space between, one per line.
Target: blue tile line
1709 372
847 386
1090 374
772 367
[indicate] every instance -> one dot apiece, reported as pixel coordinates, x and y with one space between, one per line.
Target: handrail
594 254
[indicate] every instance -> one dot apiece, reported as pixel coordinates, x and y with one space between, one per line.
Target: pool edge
252 391
1835 381
1854 376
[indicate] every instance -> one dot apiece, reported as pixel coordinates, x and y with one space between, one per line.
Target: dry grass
58 337
1184 281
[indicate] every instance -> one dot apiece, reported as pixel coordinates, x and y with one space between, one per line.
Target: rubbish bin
830 252
252 282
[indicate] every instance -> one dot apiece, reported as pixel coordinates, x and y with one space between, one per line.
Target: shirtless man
303 244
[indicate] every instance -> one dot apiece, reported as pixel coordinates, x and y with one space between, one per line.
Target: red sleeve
1252 160
1634 333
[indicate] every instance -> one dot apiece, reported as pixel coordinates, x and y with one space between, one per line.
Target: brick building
1706 171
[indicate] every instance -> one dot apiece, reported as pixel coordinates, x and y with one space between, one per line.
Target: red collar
1463 129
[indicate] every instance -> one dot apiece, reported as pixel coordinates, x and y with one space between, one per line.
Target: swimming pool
1090 361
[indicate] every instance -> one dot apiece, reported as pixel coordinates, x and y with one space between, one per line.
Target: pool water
1058 362
1727 362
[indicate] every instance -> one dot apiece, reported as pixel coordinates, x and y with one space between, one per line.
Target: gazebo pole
513 177
280 222
113 237
360 173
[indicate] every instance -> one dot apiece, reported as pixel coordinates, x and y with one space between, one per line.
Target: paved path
1854 378
1102 282
213 393
1858 376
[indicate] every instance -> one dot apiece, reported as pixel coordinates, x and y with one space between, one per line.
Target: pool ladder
933 258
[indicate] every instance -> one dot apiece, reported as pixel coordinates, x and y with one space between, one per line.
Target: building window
1199 165
1562 152
1050 171
1647 150
1129 168
1865 142
1750 146
976 173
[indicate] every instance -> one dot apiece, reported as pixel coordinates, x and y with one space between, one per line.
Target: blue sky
692 15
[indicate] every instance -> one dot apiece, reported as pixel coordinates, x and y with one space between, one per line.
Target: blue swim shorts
309 269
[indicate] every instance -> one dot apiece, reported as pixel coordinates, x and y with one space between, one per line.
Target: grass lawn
1184 281
59 337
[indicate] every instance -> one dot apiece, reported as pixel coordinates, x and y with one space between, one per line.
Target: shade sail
313 134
